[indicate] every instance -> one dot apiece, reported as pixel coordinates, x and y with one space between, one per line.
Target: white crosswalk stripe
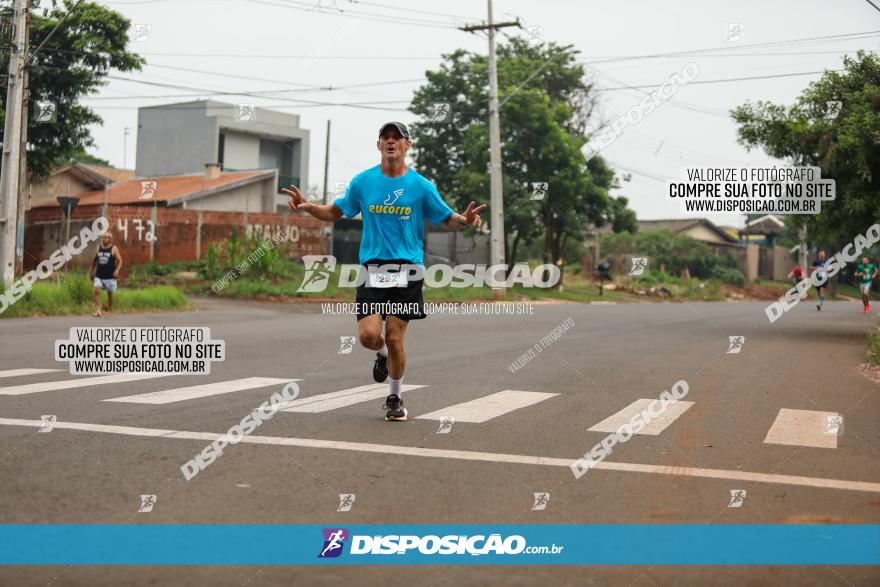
791 427
180 394
340 399
656 426
805 428
78 382
488 407
23 372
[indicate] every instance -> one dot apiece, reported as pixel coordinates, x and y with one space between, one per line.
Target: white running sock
384 350
395 386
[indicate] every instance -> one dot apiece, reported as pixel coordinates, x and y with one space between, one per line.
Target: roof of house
731 230
683 224
112 173
96 176
767 223
171 190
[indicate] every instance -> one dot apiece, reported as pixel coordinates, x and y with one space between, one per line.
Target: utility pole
329 229
11 158
23 180
802 248
326 163
496 205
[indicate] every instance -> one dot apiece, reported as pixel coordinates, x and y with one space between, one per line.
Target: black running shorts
405 303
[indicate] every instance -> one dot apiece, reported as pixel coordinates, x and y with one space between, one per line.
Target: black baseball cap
401 128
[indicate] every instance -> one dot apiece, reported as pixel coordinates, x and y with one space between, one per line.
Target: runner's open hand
472 214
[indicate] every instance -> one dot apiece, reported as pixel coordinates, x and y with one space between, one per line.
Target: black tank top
106 263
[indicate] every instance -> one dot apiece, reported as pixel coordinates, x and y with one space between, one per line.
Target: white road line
385 449
179 394
615 421
491 406
22 372
803 428
80 382
340 399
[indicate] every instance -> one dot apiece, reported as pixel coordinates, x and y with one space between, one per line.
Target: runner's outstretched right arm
325 212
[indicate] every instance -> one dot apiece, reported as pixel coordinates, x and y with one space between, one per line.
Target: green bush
234 248
674 251
212 263
77 287
874 347
266 265
728 275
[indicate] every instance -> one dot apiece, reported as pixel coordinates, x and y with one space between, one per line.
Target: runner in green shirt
866 272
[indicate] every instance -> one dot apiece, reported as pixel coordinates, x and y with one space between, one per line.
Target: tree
545 106
622 218
90 41
83 157
845 147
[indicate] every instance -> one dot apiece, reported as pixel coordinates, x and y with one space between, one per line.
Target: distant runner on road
393 200
796 274
819 265
866 272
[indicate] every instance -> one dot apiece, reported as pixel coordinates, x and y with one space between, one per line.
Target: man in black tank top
105 270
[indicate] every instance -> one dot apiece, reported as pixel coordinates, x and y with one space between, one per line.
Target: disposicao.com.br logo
319 270
429 544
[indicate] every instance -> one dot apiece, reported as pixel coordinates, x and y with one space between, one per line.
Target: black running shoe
396 411
818 307
380 369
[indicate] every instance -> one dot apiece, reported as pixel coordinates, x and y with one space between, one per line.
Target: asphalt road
83 471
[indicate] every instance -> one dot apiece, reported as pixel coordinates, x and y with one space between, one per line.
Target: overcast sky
290 46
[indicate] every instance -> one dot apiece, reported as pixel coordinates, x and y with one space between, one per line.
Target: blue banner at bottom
252 544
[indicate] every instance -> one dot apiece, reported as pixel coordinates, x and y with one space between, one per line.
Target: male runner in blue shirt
393 201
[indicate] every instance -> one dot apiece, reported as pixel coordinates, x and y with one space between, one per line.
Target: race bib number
386 279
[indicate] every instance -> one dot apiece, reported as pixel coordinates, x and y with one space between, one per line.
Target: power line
725 80
319 6
635 172
268 93
707 56
676 103
413 10
255 94
316 57
52 32
308 87
303 7
439 57
849 36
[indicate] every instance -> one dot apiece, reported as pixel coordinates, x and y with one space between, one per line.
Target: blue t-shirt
393 210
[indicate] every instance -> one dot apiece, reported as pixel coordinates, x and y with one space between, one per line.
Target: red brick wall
174 231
